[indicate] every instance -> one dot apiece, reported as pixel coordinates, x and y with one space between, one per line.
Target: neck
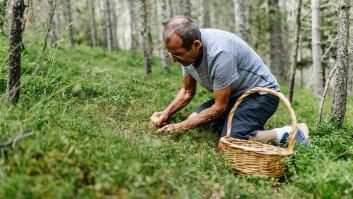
199 58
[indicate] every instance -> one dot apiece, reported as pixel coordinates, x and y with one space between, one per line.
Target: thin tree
115 25
185 8
164 18
171 8
15 41
144 33
316 49
70 22
28 14
133 27
240 7
52 7
3 15
276 41
93 22
295 53
108 26
206 19
340 85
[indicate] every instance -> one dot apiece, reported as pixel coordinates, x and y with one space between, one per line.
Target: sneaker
302 136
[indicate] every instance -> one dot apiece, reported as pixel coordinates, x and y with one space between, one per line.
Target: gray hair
184 27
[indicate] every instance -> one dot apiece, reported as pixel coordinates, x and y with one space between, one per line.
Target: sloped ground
89 113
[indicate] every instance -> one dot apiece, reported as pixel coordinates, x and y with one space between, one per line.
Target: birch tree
164 19
115 25
108 26
53 24
276 41
185 8
2 15
171 8
318 82
340 84
206 19
15 48
92 22
145 33
240 19
69 21
133 27
295 53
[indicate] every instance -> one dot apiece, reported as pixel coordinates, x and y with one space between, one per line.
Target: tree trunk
108 26
3 15
70 22
316 48
93 23
54 35
185 8
145 34
114 25
15 41
350 81
295 53
51 30
206 14
340 85
240 8
171 8
276 42
133 26
165 56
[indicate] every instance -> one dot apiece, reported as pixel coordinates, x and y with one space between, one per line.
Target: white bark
316 49
340 85
240 9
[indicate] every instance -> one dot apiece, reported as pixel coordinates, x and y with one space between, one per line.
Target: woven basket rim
279 152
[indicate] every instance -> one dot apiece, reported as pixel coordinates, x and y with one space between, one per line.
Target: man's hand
172 128
159 119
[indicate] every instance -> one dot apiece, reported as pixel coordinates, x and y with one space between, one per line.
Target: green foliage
89 112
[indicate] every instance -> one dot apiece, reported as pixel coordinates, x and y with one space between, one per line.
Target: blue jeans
250 116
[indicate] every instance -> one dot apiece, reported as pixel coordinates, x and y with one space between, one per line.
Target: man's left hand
173 128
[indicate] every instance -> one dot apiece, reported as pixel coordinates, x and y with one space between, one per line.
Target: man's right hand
159 119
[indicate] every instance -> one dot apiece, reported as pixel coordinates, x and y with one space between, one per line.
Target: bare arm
216 110
183 98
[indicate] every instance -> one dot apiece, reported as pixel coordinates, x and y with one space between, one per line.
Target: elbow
188 96
221 109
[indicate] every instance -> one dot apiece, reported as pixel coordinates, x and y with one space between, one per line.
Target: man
226 66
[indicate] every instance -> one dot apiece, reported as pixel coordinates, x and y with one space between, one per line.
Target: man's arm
216 110
183 98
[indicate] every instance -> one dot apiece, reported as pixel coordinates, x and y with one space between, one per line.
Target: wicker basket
255 158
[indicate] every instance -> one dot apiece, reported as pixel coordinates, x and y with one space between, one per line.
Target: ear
197 44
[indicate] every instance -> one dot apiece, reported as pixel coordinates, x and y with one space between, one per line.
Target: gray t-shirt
228 60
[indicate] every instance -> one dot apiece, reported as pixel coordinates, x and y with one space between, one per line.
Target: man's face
180 54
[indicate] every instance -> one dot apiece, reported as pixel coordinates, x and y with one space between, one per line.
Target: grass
89 113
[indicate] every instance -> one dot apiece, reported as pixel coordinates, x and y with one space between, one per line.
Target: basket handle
272 92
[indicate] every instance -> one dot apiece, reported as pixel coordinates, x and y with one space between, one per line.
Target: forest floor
89 112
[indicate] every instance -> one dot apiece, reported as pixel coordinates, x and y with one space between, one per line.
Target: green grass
89 113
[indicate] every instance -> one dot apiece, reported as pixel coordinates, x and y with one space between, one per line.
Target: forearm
205 116
181 100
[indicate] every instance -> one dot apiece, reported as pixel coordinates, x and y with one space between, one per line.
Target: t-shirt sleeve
185 70
224 70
